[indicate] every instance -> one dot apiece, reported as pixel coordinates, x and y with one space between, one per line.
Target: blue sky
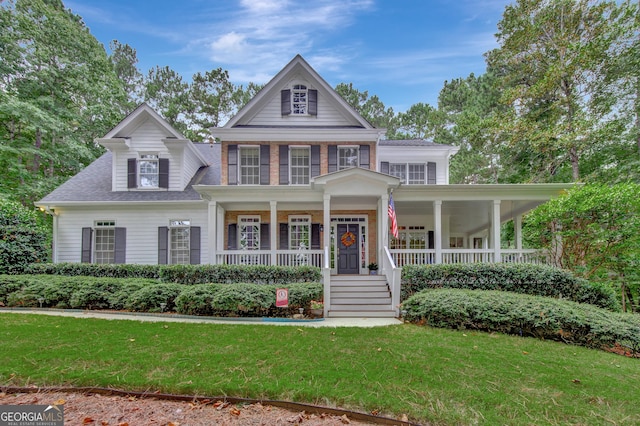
400 50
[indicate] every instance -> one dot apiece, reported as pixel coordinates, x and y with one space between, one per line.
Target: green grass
432 375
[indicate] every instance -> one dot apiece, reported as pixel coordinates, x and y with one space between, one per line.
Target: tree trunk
36 157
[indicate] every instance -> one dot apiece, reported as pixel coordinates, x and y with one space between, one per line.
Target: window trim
242 224
301 220
179 224
142 159
304 105
103 225
340 148
407 172
242 167
307 148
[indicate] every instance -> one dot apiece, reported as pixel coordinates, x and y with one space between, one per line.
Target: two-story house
296 177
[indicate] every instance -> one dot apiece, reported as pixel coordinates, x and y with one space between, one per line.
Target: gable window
347 157
249 232
105 241
180 242
299 99
299 165
148 171
249 165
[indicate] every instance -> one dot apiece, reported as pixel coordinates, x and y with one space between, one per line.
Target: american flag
392 216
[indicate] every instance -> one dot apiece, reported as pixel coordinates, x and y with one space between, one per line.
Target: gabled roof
93 183
297 66
137 117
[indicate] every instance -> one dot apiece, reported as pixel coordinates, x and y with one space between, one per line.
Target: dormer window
148 171
299 99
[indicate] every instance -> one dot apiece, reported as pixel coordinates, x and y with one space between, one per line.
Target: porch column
220 230
273 231
326 219
495 231
383 230
517 230
213 231
437 230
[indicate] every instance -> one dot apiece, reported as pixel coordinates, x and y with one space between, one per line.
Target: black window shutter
313 101
232 165
315 236
86 245
285 102
284 236
333 158
163 173
384 167
265 154
163 245
132 177
265 237
232 236
364 156
284 164
120 246
431 173
315 160
431 238
194 245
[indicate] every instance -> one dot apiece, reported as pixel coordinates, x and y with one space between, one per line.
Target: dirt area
106 410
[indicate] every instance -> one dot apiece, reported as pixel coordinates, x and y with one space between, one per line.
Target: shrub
537 280
525 315
196 299
149 298
96 270
24 237
244 299
228 274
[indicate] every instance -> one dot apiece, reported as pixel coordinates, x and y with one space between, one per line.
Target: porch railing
393 273
264 257
403 257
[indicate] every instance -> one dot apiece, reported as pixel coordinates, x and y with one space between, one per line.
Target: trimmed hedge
536 280
185 274
146 295
525 315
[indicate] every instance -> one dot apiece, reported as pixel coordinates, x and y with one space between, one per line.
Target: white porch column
517 230
273 231
213 231
437 230
495 231
220 229
327 221
383 229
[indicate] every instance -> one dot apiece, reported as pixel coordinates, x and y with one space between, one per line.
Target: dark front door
348 246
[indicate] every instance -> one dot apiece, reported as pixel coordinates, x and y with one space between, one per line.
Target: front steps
360 296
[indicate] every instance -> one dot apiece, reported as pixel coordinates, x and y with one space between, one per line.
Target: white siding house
298 177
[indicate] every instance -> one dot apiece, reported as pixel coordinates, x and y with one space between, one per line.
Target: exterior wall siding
141 223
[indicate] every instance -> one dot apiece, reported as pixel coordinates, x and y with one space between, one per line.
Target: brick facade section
274 169
316 217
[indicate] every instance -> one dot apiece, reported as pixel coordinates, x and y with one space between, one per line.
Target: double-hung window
399 171
105 241
299 99
180 241
148 171
416 174
299 165
348 156
250 165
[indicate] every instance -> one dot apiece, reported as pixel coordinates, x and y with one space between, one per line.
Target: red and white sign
282 297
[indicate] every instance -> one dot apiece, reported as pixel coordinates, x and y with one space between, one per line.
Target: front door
348 249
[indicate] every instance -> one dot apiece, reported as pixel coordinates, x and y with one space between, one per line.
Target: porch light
41 301
162 306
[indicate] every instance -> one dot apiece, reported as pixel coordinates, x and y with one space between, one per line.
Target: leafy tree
594 231
421 121
371 108
25 237
58 92
210 102
550 56
124 60
168 95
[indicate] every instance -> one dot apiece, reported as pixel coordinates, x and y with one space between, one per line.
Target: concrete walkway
140 316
